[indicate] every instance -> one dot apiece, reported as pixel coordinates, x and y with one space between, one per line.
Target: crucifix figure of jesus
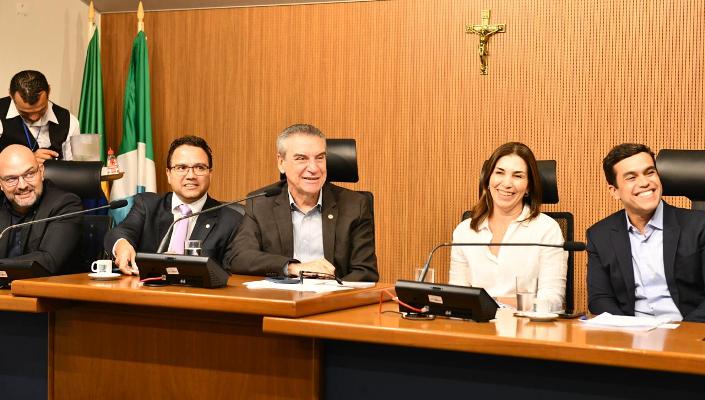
484 31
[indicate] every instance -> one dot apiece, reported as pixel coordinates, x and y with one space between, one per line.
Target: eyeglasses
198 169
317 275
13 180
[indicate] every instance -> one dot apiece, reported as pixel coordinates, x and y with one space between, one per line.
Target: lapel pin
330 216
208 226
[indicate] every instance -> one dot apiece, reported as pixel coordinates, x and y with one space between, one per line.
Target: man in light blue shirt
313 226
648 259
652 295
308 235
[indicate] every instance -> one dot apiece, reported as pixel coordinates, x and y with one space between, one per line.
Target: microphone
267 192
112 205
567 246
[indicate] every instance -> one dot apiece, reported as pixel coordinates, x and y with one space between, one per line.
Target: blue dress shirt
652 296
308 232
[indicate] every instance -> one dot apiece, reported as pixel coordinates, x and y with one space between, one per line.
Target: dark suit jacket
53 244
265 242
150 217
611 286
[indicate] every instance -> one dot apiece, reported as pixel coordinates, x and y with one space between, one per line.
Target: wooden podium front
118 339
368 351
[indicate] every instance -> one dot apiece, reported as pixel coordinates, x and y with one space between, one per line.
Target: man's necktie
178 237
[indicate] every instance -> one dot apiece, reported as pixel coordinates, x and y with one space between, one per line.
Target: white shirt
40 129
477 266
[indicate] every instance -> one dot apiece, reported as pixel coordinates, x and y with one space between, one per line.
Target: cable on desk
396 299
156 278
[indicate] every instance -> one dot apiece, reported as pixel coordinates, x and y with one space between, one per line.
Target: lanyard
27 135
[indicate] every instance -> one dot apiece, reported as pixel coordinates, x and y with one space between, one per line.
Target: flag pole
140 18
91 20
136 152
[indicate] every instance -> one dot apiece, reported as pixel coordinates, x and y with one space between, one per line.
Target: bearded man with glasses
189 168
28 197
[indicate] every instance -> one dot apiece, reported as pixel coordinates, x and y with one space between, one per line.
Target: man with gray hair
312 227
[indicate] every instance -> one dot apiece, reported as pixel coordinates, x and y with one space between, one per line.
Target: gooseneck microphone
112 205
567 246
268 192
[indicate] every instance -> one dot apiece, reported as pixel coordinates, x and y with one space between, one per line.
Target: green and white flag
136 155
90 109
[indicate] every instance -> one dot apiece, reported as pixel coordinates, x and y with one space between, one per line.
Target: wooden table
118 339
510 356
24 347
9 302
234 298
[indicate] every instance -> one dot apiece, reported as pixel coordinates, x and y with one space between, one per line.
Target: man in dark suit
312 226
648 259
189 167
28 197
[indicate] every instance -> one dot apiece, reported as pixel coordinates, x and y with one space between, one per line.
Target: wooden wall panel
570 79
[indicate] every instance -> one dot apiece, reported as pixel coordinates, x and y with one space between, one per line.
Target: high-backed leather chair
682 173
79 177
549 186
83 179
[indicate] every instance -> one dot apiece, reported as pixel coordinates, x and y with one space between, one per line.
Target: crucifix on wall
484 31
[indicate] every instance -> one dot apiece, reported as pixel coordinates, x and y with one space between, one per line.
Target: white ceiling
108 6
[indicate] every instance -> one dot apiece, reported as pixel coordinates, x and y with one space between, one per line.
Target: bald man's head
21 177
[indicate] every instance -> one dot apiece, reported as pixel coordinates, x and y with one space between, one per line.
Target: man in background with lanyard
27 117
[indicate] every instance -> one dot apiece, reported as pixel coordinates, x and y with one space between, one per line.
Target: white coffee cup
542 306
103 267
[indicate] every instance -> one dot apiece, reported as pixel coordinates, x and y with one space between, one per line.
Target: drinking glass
192 247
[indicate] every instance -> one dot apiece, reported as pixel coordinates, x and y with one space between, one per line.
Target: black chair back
341 160
83 179
682 173
79 177
565 221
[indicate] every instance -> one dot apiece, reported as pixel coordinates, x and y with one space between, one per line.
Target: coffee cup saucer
104 277
540 316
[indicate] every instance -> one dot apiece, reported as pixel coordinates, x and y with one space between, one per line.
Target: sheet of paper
607 320
668 326
356 285
309 285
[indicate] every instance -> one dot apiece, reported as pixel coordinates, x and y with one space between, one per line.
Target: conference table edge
10 302
49 294
483 344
